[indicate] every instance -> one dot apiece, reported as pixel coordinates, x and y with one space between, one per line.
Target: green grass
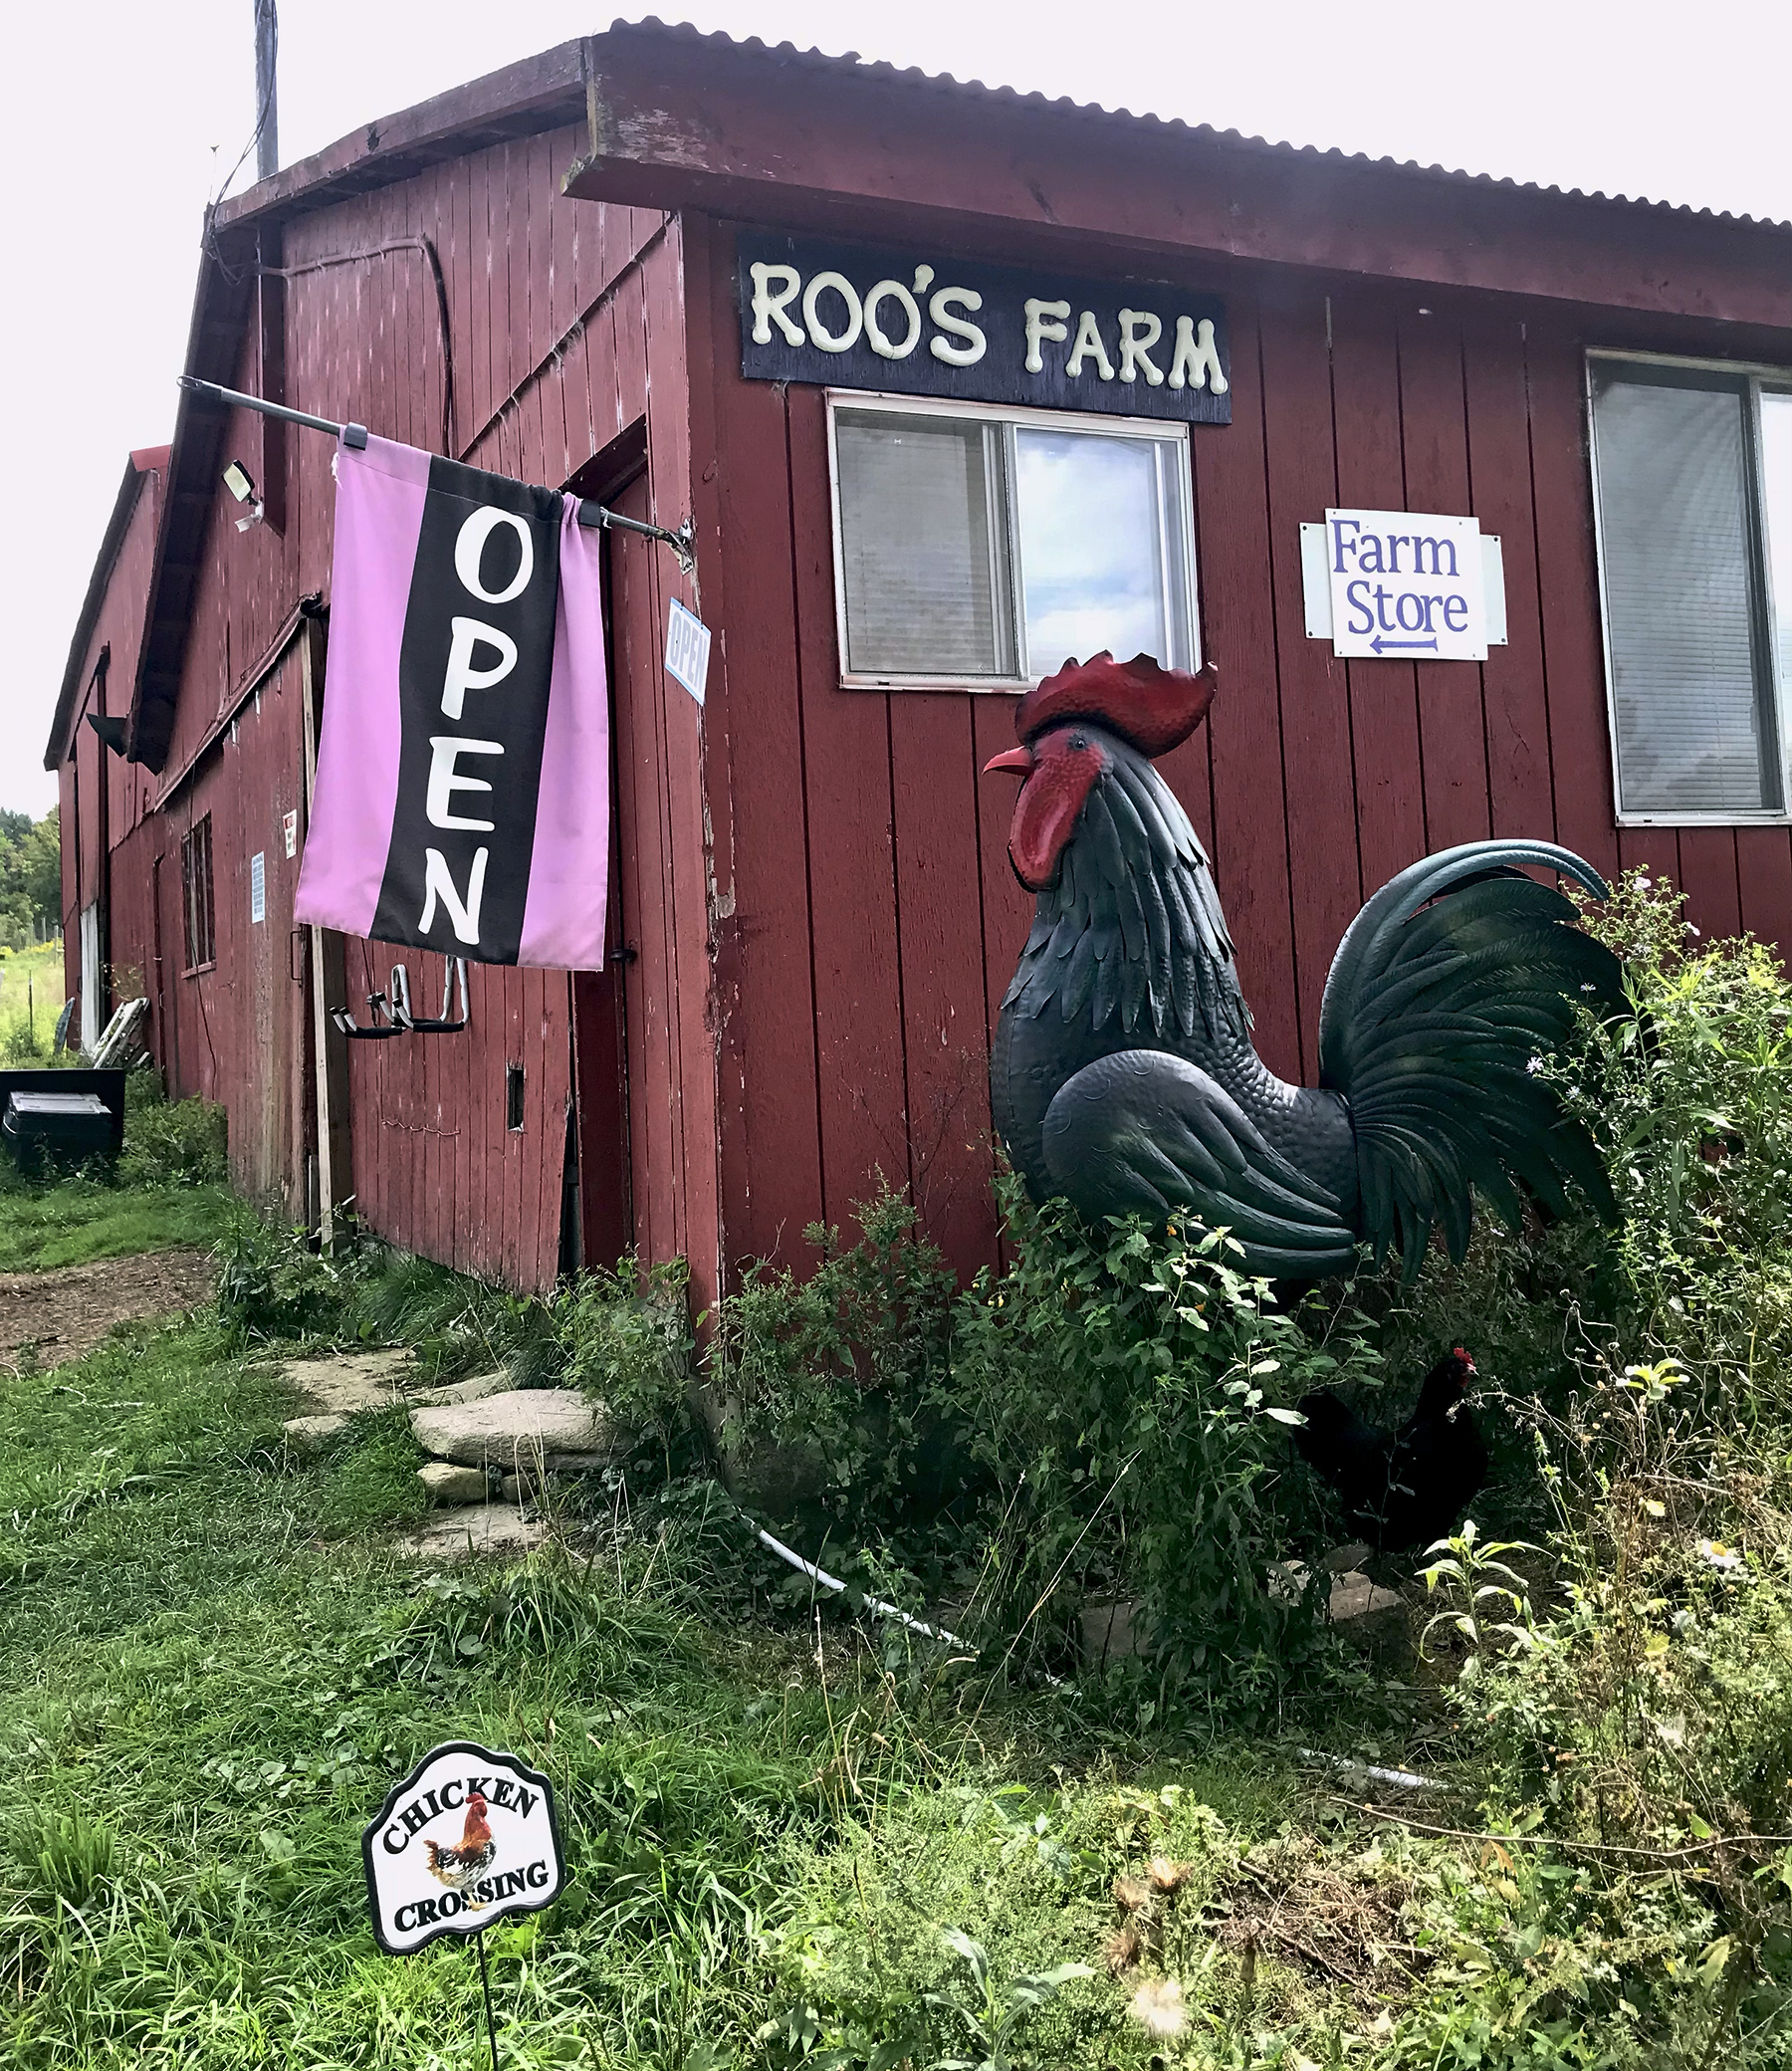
80 1220
31 997
213 1663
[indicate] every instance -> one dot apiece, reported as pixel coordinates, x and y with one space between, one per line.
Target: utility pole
267 107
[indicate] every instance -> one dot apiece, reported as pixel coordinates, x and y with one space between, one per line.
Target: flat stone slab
313 1434
473 1389
516 1429
485 1529
350 1381
447 1484
1354 1596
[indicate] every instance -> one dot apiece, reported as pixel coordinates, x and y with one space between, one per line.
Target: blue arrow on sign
1381 646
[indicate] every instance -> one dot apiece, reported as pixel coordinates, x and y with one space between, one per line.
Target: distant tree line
30 877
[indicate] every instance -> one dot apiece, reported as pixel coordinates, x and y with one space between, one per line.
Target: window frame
198 899
1176 505
1754 377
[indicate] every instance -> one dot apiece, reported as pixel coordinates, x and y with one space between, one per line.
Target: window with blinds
1692 474
196 896
983 549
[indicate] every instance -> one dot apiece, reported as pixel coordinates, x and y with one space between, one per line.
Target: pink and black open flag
462 800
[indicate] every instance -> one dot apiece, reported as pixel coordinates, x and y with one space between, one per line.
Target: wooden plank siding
555 311
814 916
874 910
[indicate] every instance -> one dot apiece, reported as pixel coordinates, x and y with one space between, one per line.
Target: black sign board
919 323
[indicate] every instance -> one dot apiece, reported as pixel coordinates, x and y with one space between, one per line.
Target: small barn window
512 1098
1692 474
196 894
982 548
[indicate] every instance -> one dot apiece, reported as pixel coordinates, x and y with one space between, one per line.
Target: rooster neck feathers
1129 931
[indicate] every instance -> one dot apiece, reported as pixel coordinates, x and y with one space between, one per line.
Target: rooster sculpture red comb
1152 707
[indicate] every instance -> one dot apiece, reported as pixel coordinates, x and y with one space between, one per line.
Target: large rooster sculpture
1124 1075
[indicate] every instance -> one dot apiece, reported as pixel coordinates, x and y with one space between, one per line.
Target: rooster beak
1019 761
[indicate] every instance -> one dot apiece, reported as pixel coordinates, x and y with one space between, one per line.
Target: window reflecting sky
1776 494
1089 548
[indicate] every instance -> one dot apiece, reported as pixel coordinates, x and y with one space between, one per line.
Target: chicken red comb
1154 708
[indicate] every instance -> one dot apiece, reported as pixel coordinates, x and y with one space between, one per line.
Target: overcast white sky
119 118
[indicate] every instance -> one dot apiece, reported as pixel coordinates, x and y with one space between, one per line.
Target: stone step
473 1389
447 1484
519 1429
313 1434
487 1529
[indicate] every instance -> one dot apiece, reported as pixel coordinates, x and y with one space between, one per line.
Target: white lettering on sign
687 649
853 316
1406 586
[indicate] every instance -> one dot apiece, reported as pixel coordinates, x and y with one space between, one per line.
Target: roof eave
684 120
74 676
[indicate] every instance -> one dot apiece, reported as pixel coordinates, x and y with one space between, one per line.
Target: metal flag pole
683 541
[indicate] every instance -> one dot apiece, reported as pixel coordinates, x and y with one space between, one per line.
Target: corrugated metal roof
850 63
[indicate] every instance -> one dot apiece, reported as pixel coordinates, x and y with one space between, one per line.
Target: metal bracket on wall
683 541
424 1025
374 1033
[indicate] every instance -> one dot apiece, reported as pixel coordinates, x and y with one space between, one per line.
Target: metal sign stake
485 1985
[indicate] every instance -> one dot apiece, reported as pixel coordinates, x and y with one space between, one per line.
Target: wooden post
329 990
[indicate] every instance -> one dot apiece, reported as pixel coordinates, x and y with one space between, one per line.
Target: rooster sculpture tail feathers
1448 989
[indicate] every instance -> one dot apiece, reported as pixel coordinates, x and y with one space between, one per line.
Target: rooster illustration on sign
461 1864
1124 1076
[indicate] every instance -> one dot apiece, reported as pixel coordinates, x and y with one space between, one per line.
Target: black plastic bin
61 1118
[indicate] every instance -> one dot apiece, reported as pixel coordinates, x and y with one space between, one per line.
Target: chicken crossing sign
468 1837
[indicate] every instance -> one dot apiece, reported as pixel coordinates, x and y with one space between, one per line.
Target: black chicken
1123 1073
1406 1487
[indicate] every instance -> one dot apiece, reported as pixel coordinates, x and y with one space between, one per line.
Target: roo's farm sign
918 322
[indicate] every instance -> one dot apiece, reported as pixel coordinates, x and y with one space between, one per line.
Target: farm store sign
919 323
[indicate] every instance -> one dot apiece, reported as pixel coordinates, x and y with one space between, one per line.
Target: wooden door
164 929
600 1136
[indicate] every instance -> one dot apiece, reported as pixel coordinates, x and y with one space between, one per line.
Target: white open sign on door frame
687 649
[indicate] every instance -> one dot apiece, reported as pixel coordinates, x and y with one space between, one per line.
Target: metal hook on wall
441 1025
374 1033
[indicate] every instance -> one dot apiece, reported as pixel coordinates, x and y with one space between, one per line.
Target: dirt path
67 1311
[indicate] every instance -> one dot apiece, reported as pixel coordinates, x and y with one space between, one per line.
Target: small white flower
1159 2008
1715 1554
1645 883
1535 1066
1588 987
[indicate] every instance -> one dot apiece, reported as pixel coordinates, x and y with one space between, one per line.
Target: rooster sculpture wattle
1123 1073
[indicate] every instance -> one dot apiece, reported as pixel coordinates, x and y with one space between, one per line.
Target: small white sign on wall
288 829
687 649
258 886
1402 585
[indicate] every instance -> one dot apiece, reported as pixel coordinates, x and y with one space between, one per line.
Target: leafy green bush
625 1336
1132 1396
837 1386
170 1143
273 1285
1108 1417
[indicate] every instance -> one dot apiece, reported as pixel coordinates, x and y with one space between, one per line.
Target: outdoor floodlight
240 483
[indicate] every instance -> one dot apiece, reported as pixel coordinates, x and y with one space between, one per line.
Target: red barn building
692 277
